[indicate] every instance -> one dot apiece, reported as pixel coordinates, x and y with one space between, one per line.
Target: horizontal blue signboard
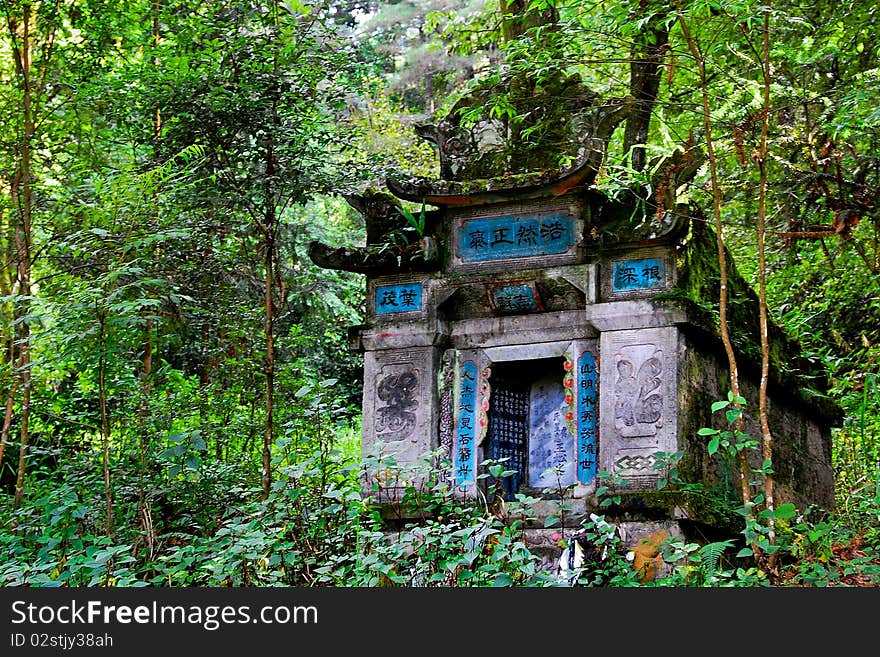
515 236
398 298
514 299
637 274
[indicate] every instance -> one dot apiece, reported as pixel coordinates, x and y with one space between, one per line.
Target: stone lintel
622 315
533 351
520 330
403 336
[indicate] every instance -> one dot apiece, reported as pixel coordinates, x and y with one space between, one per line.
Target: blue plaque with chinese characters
398 298
515 236
641 274
465 428
587 396
515 299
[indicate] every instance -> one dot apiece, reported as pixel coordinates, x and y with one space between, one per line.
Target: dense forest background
178 404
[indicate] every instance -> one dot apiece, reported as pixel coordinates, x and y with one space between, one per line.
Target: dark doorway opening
527 425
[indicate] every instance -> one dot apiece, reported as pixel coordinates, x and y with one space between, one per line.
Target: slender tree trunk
744 473
146 365
270 233
22 197
105 420
762 278
268 331
8 340
7 421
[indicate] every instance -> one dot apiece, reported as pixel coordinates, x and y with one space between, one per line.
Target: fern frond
710 556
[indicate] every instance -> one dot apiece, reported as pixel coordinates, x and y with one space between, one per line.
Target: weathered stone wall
801 432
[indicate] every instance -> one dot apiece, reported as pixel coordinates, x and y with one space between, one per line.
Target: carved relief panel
399 402
638 403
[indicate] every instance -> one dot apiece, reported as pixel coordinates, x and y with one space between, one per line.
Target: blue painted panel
398 298
514 299
515 236
587 396
637 274
465 430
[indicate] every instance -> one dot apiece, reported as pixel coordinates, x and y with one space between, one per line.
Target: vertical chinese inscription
508 433
638 398
447 413
515 236
641 274
551 448
586 425
396 419
465 452
398 298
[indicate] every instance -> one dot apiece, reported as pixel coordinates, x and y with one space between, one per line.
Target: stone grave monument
525 315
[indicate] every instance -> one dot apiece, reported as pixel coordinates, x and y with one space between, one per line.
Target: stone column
638 404
400 417
400 400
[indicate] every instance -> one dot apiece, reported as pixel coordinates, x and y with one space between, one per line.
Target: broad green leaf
713 445
502 579
551 521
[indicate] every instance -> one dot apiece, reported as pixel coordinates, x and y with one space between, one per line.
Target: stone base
642 539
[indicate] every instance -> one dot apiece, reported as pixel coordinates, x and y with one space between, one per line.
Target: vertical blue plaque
641 274
587 396
398 298
465 430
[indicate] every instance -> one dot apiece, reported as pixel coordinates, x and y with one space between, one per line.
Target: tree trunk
744 473
22 198
762 282
105 420
146 364
270 233
645 72
517 18
268 332
7 421
7 288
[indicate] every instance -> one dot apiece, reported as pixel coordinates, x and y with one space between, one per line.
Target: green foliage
730 441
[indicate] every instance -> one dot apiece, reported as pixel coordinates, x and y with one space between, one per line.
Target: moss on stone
698 287
713 507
